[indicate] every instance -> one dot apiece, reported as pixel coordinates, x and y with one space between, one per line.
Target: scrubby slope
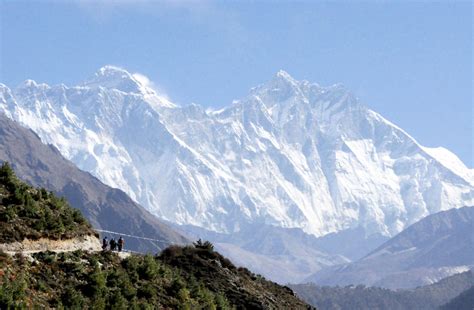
33 213
181 278
239 285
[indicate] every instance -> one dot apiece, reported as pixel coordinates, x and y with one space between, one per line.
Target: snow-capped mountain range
291 154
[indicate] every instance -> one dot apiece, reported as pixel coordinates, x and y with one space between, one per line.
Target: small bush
206 245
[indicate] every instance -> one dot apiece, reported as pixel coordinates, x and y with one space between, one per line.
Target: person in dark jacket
105 243
120 244
113 244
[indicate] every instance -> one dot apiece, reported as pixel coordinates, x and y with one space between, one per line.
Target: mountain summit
112 77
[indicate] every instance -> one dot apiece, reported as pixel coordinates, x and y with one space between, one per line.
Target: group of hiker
114 245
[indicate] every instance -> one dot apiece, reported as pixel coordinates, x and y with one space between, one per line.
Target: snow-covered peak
278 90
28 84
109 70
5 93
112 77
115 78
282 80
285 76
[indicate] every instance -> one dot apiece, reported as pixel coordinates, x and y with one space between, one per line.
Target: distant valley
434 248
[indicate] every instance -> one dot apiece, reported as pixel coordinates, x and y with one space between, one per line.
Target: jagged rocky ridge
290 154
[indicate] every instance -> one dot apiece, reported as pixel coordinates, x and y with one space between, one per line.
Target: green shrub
117 301
206 245
73 299
149 268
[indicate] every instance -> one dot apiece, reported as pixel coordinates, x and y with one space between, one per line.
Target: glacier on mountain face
290 154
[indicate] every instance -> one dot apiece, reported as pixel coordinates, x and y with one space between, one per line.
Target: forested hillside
465 301
353 297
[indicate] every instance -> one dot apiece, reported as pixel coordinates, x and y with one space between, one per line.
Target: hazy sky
409 61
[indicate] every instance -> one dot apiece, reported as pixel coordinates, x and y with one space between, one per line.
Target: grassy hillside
28 212
191 277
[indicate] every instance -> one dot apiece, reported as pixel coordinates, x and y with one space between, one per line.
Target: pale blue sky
409 61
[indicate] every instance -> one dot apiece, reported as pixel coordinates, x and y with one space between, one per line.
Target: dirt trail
86 243
28 247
